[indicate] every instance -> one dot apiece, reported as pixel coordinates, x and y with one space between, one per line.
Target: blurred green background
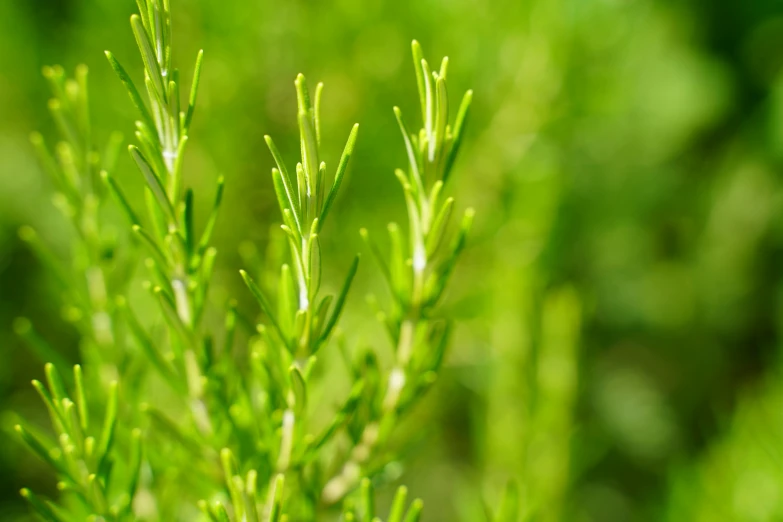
621 298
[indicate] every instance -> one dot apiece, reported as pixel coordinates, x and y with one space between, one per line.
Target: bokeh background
620 301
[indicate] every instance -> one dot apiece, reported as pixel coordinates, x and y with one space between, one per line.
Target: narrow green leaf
55 413
314 262
283 200
117 193
319 89
440 344
309 157
148 55
414 513
299 389
262 301
136 455
175 180
288 220
398 505
132 91
157 254
73 423
206 237
230 470
301 185
438 229
457 133
377 255
341 168
174 101
219 513
251 507
368 500
194 90
83 108
153 182
286 180
320 315
150 147
340 302
55 382
107 434
55 76
171 313
81 400
143 11
320 183
437 283
287 300
275 500
302 94
38 447
157 218
429 98
444 67
187 220
418 56
40 507
441 116
207 510
400 275
412 158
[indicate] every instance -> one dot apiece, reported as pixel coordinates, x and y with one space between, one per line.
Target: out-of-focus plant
739 478
83 455
99 268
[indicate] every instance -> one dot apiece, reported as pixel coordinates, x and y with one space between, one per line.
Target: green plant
99 264
83 457
232 421
417 273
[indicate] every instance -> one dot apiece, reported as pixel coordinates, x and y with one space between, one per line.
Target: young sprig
83 455
244 498
180 261
417 273
303 322
366 511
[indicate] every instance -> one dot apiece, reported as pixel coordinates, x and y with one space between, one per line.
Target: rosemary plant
99 266
180 263
237 425
417 271
271 435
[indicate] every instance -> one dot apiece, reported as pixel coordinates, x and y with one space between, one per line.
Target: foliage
248 410
612 318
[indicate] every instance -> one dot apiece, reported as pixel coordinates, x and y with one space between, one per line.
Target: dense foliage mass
250 405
